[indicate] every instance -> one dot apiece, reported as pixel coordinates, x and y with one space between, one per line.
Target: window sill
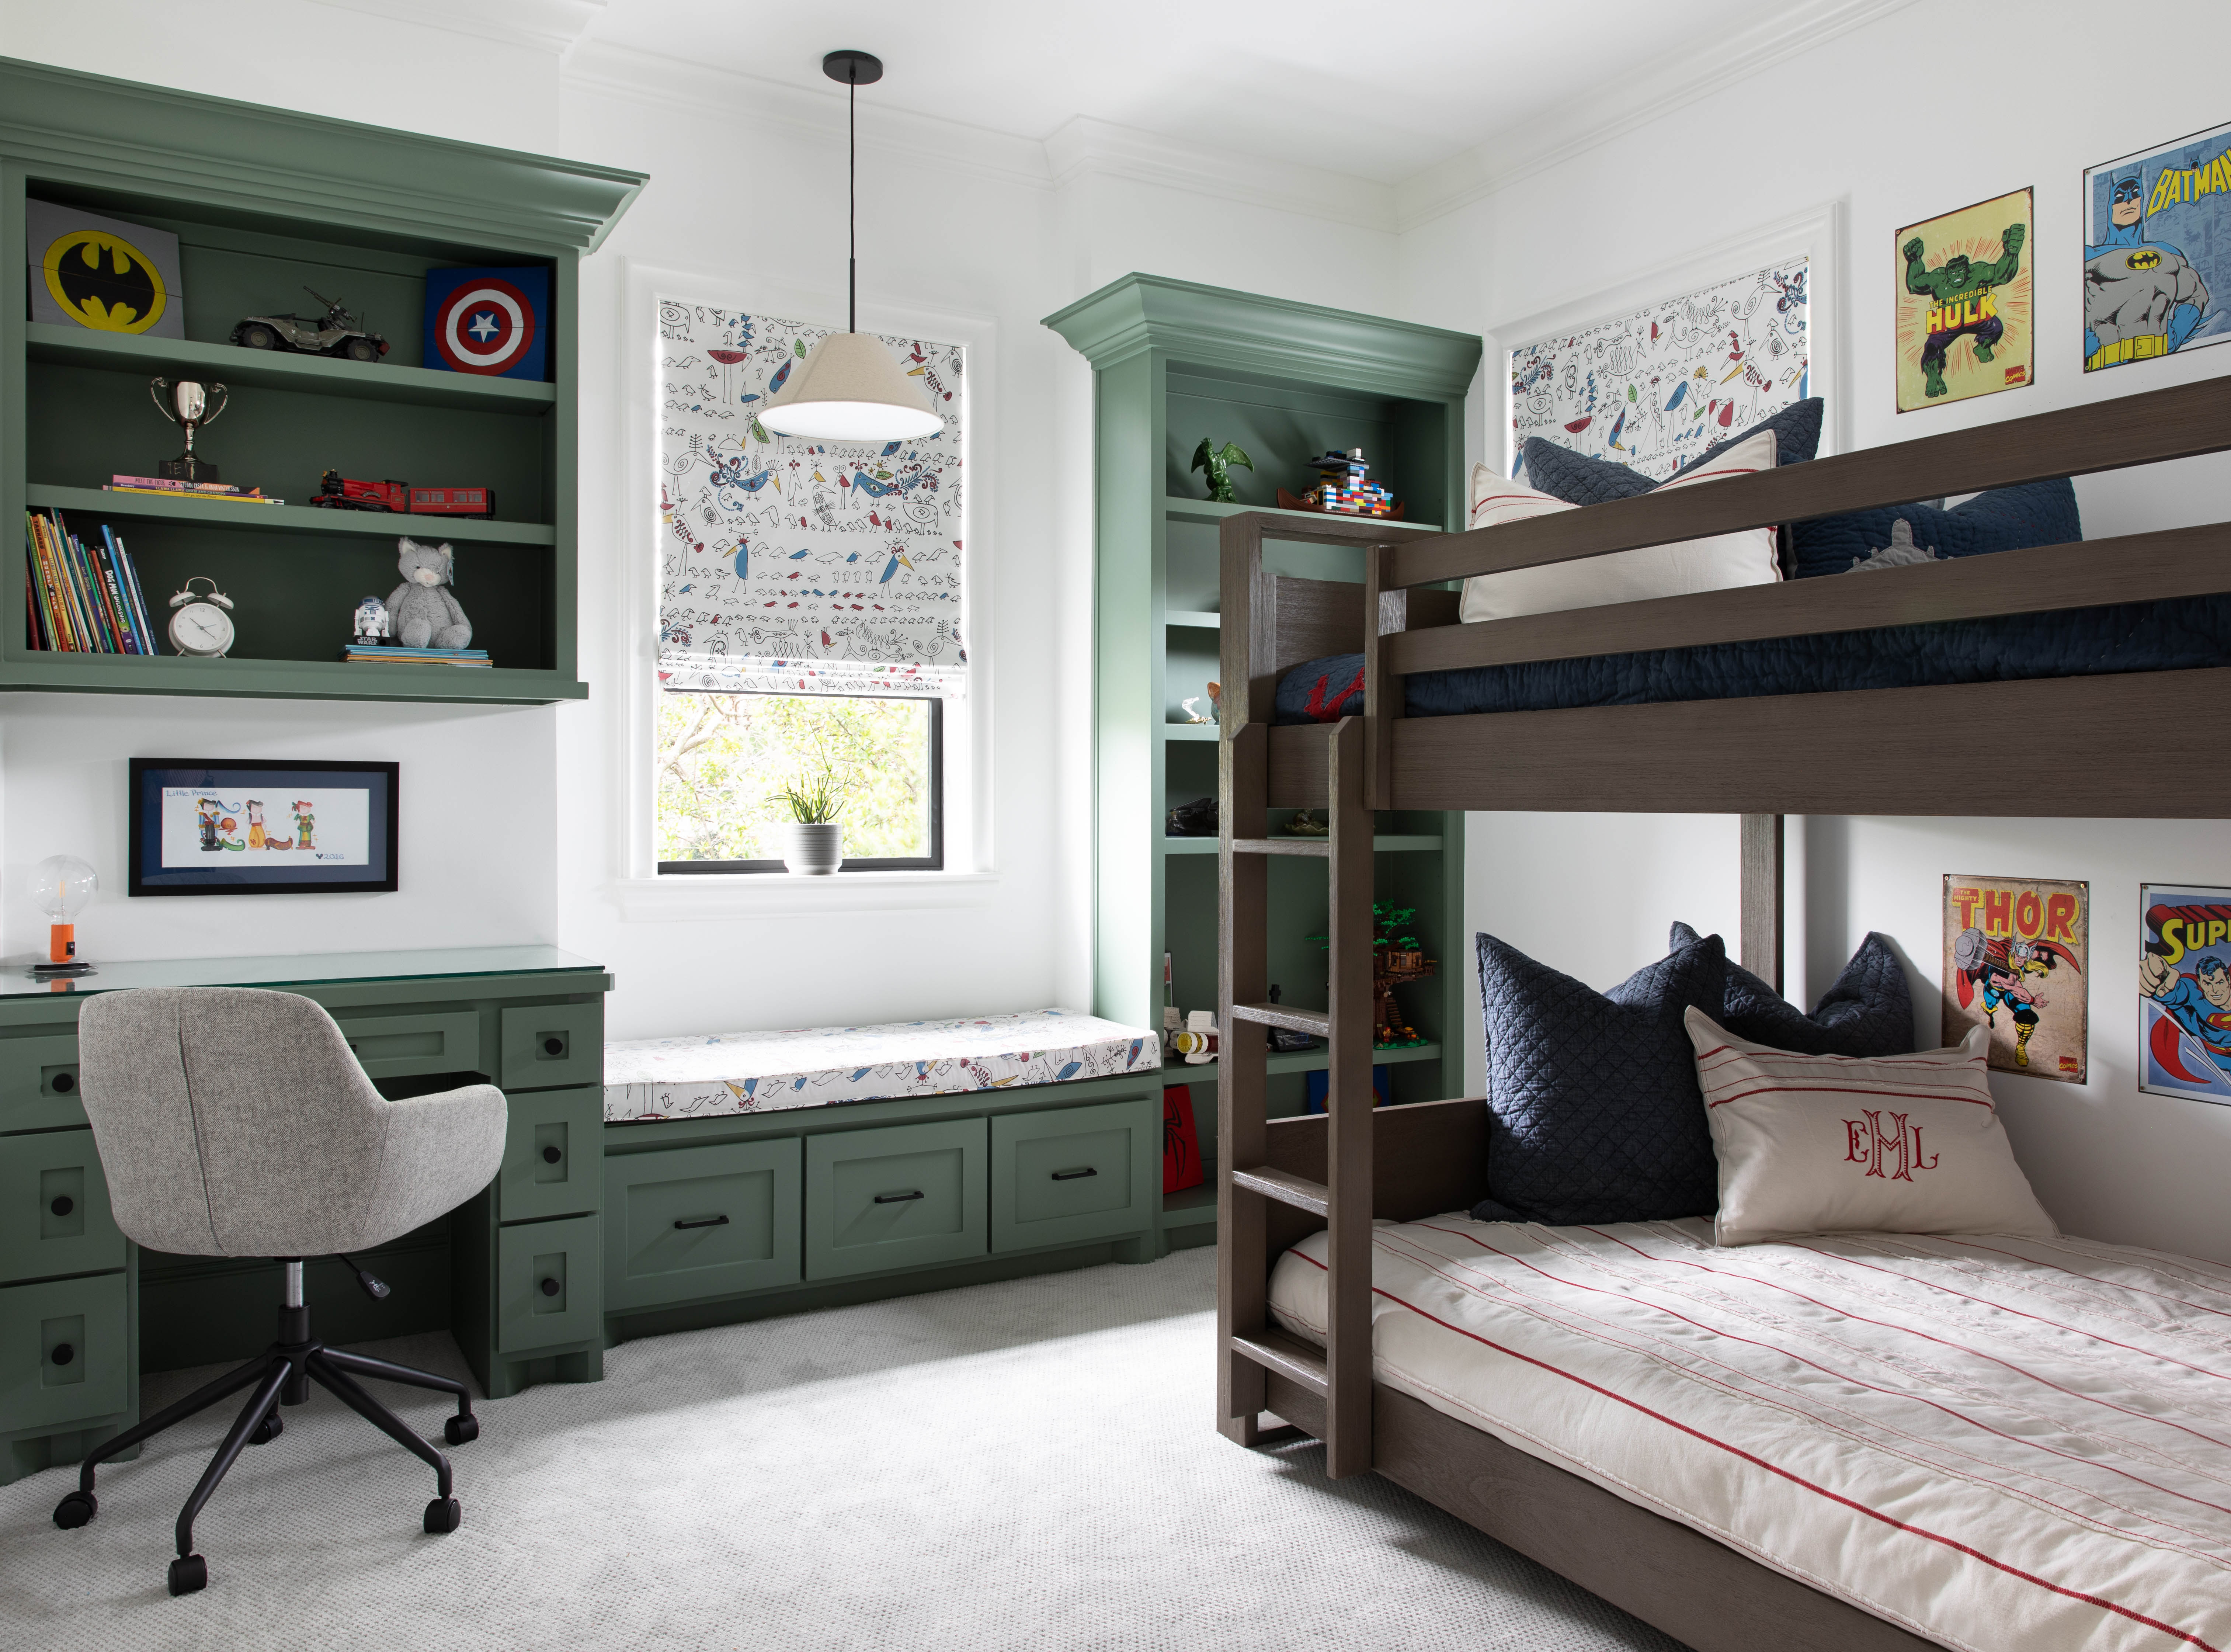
684 897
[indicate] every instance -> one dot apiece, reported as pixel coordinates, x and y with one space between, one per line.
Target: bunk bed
1315 1185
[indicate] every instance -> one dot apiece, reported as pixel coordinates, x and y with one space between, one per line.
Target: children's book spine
96 605
34 529
34 625
138 598
65 584
120 600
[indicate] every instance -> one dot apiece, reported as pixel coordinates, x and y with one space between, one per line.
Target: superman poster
1964 284
2157 239
102 273
2184 992
2016 953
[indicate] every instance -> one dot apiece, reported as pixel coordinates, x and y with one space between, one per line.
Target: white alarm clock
202 626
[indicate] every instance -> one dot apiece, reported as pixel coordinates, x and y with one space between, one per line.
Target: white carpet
1025 1465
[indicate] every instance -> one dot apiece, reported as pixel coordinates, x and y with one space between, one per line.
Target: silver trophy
187 405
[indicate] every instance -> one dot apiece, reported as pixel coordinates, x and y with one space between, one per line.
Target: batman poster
102 273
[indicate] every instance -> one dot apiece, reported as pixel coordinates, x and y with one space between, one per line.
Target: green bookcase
264 203
1174 362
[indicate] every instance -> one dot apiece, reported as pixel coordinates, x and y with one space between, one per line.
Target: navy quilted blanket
2082 642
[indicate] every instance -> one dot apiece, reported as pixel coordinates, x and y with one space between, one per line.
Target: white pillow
1715 564
1828 1144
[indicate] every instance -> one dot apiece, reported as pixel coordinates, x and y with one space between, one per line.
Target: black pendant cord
852 190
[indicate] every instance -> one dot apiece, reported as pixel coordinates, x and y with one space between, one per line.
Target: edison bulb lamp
61 886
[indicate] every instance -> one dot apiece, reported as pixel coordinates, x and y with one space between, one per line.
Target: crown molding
1085 147
1645 94
553 26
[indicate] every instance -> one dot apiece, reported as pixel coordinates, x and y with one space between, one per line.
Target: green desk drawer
548 1288
897 1197
550 1151
691 1223
62 1348
54 1208
393 1046
38 1082
548 1045
1075 1174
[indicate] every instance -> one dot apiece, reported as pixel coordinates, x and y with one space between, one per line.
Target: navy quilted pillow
1593 1113
2005 519
1866 1012
1580 480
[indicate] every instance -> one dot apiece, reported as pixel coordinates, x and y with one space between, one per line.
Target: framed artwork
2015 952
101 273
2158 251
2184 992
495 322
1965 311
253 828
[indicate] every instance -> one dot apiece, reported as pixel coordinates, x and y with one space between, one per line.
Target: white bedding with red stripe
1999 1443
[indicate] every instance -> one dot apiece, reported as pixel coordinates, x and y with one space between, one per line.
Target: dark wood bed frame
1887 751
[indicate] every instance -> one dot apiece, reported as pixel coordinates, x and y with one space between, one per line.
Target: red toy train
345 493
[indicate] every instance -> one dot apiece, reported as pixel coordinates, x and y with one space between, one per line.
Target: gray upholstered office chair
234 1122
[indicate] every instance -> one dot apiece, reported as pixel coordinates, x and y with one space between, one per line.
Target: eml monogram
1870 1145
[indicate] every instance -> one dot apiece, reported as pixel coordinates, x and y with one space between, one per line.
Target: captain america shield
486 321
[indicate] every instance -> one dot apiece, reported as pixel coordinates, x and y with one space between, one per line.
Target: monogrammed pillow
1832 1143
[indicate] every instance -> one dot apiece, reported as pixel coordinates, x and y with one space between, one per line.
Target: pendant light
852 388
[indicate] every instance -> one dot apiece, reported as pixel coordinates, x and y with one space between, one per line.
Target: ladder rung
1299 1020
1320 847
1297 1191
1289 1357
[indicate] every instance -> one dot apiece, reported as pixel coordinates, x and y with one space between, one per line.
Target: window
723 760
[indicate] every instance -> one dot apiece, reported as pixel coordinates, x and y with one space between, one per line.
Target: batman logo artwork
2146 260
102 280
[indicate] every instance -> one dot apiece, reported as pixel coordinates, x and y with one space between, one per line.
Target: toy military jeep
336 333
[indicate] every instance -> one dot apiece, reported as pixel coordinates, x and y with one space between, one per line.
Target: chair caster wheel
76 1509
189 1572
443 1514
269 1429
458 1430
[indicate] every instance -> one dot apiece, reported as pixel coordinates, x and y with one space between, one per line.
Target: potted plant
815 841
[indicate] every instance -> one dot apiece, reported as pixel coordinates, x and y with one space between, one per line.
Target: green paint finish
906 1196
54 1208
550 1161
63 1351
553 1044
695 1222
549 1283
394 1046
1082 1173
38 1083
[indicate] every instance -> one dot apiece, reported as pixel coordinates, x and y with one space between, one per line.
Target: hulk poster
2016 953
1963 286
2157 236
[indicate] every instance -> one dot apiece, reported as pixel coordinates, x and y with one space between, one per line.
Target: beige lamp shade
850 388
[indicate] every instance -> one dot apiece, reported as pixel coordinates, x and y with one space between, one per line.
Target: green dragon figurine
1215 461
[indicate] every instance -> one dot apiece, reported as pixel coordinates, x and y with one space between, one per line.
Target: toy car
453 502
338 333
339 492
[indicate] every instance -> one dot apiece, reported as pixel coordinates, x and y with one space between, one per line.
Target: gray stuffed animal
422 611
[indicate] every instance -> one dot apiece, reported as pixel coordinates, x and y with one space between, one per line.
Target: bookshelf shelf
290 519
1202 511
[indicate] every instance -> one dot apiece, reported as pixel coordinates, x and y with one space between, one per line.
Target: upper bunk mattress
711 1074
2183 635
1996 1444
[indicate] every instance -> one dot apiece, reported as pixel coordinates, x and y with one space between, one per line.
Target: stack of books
221 490
386 654
1344 488
83 597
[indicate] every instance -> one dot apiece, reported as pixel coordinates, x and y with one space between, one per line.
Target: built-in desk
516 1274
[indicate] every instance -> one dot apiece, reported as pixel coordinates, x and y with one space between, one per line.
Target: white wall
1592 895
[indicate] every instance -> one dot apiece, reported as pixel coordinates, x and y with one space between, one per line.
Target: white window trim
971 873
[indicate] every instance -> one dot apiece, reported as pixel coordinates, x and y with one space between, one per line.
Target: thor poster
2015 955
2184 992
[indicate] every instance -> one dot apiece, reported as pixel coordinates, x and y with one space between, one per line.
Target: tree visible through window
724 758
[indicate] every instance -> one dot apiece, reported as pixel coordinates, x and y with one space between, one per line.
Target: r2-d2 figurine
371 623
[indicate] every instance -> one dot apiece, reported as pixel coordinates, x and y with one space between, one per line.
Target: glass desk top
301 969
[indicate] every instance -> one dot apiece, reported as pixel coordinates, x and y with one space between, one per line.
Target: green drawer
54 1208
550 1151
548 1288
393 1046
897 1198
1079 1173
38 1082
691 1222
62 1348
548 1045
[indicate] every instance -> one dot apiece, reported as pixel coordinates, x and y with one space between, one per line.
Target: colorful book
73 592
253 498
96 599
167 485
138 598
119 595
51 601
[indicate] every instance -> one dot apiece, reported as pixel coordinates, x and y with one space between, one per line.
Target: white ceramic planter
814 851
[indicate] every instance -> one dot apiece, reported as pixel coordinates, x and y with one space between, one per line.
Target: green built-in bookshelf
265 202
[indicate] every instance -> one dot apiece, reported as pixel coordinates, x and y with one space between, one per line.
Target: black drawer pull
1071 1176
553 1046
551 1155
63 1083
550 1287
701 1222
63 1353
897 1198
63 1204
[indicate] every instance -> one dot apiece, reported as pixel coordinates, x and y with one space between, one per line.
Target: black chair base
281 1375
